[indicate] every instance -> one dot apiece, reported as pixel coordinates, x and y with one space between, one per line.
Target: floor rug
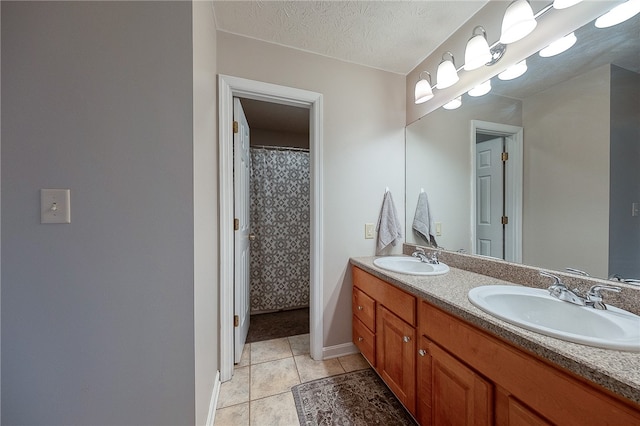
278 324
359 398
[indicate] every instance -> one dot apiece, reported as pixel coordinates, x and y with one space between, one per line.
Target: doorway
279 220
228 88
496 190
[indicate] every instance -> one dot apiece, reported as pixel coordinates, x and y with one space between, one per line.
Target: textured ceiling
390 35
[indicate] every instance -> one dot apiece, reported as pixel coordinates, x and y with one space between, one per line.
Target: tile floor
260 391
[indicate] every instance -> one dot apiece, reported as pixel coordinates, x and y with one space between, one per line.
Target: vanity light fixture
518 22
423 91
453 103
563 4
514 71
619 14
447 74
559 46
480 89
477 52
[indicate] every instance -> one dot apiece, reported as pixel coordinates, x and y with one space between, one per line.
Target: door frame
514 137
228 88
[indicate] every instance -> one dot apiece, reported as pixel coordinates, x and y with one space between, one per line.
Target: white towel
389 227
423 220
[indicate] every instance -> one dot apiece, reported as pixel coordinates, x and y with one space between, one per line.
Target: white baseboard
339 350
214 400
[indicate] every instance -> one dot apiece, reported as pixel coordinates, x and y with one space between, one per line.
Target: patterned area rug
359 398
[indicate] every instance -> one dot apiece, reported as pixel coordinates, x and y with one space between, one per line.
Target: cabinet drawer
397 301
364 308
365 340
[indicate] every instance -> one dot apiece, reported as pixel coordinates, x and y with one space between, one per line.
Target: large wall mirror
571 196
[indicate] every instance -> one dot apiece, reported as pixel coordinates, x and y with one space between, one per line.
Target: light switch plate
369 230
635 209
438 229
55 206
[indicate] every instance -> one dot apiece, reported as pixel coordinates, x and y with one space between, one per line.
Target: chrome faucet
577 271
619 278
420 254
593 298
560 291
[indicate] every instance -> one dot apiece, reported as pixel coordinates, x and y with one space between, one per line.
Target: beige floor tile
353 362
245 359
277 410
236 390
237 415
270 350
309 369
273 377
299 344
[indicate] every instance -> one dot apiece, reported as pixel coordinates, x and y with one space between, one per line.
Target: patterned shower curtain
280 220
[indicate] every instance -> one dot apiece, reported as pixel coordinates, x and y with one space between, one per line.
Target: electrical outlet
369 230
438 228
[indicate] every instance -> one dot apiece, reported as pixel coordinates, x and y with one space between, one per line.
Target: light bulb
559 46
480 89
453 103
518 22
619 14
423 91
514 71
477 52
563 4
447 74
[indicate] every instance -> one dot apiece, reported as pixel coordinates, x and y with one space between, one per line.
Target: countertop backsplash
529 276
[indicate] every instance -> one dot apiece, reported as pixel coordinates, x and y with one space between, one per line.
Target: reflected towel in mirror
423 220
389 227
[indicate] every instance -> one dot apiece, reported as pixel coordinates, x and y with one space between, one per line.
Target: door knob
406 339
252 237
422 352
359 308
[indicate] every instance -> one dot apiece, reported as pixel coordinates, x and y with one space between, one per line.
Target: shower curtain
280 222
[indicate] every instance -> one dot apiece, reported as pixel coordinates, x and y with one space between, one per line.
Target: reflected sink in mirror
536 310
410 265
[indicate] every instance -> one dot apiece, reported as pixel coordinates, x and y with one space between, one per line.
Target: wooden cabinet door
511 412
395 356
459 396
423 397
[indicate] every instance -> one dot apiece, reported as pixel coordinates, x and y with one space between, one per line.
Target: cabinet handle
422 352
360 339
359 307
406 339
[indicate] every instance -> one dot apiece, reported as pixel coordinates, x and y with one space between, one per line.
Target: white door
489 198
241 173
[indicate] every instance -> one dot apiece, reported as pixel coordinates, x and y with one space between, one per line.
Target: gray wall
98 315
624 229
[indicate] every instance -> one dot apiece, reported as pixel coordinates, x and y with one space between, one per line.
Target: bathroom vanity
450 363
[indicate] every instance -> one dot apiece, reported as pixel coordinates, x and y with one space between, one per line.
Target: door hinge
236 320
235 127
236 224
505 220
505 156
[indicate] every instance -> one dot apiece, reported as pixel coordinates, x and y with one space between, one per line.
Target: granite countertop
618 371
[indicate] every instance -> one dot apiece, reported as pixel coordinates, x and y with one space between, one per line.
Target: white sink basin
536 310
410 265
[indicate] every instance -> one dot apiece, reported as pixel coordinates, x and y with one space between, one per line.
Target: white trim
513 194
339 350
228 87
213 403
